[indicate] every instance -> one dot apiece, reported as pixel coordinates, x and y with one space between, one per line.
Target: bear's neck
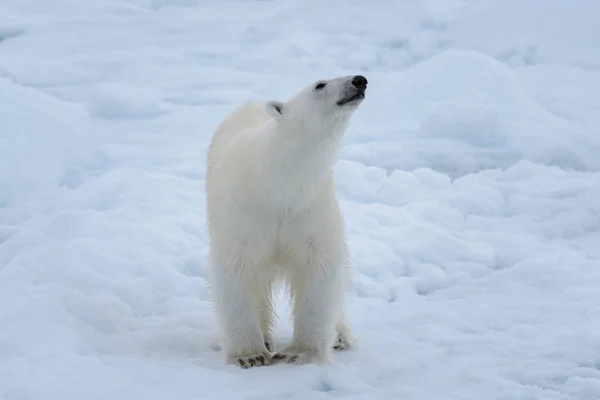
306 153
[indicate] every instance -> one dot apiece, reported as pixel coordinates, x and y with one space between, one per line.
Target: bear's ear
275 109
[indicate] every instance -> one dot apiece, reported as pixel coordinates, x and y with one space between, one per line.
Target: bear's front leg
316 267
317 296
236 294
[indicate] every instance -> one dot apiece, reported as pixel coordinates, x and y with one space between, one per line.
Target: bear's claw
257 360
295 355
341 343
292 358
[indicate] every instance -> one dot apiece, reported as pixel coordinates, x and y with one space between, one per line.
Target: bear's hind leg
267 316
344 339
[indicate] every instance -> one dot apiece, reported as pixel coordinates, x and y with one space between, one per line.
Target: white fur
273 215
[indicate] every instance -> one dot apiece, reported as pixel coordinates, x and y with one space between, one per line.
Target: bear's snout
360 82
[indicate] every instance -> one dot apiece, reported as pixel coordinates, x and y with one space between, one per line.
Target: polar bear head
322 104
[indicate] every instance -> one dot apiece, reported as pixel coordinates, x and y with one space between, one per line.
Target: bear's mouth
355 97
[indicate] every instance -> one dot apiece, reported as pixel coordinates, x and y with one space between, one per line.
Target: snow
469 181
42 128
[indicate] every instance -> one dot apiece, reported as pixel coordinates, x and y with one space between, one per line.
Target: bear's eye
320 85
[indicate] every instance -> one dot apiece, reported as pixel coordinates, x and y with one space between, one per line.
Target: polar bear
273 216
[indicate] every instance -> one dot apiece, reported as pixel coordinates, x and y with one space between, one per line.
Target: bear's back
248 116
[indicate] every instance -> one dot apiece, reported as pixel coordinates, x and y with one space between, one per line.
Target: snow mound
42 141
479 100
120 101
455 72
471 116
10 26
468 112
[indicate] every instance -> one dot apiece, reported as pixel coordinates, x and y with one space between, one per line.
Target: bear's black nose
360 82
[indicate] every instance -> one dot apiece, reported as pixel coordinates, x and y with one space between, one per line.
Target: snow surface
469 180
